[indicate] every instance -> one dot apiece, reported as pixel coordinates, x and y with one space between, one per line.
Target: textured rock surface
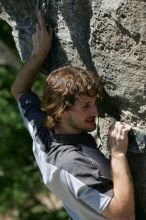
108 36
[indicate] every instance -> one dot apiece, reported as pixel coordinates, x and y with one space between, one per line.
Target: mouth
90 120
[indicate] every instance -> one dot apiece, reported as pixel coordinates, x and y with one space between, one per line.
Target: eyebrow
84 101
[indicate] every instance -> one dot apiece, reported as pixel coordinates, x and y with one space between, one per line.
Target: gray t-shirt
71 165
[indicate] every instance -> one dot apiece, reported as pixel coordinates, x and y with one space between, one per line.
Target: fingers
124 128
120 128
36 34
42 25
118 138
37 28
42 38
41 21
34 38
50 29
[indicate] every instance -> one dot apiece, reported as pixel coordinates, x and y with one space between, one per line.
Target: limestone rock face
107 36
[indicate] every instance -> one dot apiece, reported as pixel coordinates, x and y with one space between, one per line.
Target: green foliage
20 179
6 36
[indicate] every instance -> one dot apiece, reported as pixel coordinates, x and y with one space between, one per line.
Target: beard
82 126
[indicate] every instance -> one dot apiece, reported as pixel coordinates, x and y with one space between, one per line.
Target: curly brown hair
62 88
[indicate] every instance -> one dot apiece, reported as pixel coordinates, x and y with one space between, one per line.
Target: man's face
82 115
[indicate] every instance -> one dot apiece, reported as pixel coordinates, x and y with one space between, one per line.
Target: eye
86 106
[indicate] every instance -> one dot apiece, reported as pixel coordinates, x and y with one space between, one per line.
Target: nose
95 111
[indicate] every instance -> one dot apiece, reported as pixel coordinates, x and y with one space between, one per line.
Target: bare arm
121 206
42 40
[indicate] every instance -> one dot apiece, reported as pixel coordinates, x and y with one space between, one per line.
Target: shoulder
28 97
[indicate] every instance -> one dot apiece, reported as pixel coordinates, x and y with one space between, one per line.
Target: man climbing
70 162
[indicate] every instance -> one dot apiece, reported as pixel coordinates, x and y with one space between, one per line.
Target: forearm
121 206
26 76
123 186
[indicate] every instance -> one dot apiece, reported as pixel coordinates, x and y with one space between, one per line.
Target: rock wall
107 36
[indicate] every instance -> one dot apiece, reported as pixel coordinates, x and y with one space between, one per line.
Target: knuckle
122 138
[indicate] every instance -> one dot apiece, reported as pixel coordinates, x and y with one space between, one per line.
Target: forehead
85 99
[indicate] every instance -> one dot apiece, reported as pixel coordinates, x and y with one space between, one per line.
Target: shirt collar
73 139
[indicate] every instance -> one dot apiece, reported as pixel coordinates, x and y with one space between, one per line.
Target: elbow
125 214
121 212
15 93
130 215
13 90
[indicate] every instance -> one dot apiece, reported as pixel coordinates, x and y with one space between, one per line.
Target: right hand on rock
118 138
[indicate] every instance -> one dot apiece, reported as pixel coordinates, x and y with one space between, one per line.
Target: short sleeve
34 118
87 183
